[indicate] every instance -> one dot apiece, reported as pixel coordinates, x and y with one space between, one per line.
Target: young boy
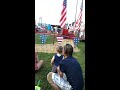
56 59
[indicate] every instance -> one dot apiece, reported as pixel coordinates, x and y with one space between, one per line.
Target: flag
78 22
59 40
76 40
43 38
63 14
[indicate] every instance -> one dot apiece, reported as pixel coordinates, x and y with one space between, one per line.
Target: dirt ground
50 48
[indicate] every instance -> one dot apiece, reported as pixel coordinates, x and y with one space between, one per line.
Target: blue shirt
71 67
49 27
57 59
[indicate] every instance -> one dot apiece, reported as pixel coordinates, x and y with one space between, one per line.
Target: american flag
78 23
63 14
59 40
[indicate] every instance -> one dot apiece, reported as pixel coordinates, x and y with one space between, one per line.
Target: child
56 59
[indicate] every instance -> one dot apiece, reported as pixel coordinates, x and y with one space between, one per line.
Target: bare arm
52 60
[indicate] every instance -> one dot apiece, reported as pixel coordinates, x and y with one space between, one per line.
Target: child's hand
58 69
52 61
51 64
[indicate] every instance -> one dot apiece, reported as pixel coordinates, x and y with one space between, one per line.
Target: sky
50 11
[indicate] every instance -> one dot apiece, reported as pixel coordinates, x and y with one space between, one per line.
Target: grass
42 73
49 39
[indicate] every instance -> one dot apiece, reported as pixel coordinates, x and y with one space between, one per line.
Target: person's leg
58 82
49 78
36 57
39 64
54 69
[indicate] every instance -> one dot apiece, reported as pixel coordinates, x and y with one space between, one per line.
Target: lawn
42 73
48 41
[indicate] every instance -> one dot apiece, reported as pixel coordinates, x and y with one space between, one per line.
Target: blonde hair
59 49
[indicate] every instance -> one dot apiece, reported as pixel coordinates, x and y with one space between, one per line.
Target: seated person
38 63
49 28
65 31
71 68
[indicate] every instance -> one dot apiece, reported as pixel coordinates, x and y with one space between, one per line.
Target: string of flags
43 38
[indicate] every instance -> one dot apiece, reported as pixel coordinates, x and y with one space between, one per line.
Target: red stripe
78 23
59 41
63 11
63 22
63 19
63 16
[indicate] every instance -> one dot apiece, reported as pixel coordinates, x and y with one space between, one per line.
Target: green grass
49 39
42 73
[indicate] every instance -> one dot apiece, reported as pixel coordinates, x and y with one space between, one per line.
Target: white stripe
59 37
63 12
63 20
63 24
62 15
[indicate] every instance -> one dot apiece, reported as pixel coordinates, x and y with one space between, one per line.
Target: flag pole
80 22
76 10
75 14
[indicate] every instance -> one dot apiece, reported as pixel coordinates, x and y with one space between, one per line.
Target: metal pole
76 10
40 21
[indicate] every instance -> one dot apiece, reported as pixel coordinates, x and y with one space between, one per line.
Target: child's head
59 49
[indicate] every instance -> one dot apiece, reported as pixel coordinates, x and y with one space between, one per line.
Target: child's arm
52 60
59 72
63 58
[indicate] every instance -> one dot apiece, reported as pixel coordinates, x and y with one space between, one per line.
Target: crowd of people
66 72
67 30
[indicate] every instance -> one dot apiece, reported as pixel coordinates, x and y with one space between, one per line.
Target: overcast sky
50 10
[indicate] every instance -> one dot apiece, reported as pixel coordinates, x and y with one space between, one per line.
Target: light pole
40 21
